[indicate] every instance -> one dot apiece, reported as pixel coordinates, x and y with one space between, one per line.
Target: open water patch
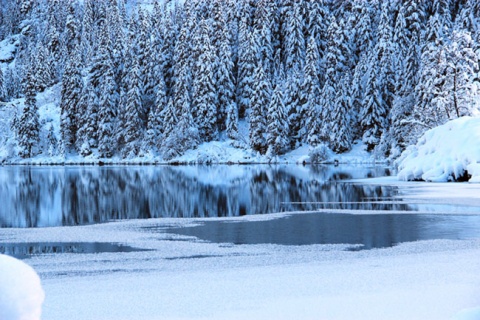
366 230
29 249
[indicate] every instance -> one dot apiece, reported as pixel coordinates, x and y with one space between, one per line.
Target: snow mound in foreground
444 153
21 294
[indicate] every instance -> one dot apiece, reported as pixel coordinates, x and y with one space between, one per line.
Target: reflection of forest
33 196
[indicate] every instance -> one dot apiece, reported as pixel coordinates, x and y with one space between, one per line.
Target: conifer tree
184 136
52 142
146 65
225 85
106 116
155 128
260 100
132 122
44 73
341 134
463 67
72 86
169 118
3 91
29 125
264 21
232 121
294 38
373 114
204 96
87 119
72 31
88 31
246 65
182 73
293 106
277 129
311 91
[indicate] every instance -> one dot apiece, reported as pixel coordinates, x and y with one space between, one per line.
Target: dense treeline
165 77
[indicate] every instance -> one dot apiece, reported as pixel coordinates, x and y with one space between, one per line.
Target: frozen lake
261 242
35 197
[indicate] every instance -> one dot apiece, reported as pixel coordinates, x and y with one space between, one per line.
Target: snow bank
21 294
444 153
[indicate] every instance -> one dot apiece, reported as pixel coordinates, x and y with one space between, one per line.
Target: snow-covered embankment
450 152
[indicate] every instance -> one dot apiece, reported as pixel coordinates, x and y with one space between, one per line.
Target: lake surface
29 249
60 196
366 230
33 197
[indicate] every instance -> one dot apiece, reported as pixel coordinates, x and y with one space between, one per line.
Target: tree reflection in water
53 196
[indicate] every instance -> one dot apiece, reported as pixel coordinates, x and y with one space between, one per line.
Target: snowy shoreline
419 280
431 279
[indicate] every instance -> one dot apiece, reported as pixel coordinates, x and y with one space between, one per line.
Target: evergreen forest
163 77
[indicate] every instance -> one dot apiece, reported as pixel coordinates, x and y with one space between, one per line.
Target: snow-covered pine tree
310 115
363 39
334 63
463 67
166 52
87 119
29 125
373 113
232 121
52 142
106 116
72 32
119 45
3 91
258 104
52 37
44 73
169 118
72 86
341 134
293 106
184 136
154 129
182 73
204 95
132 123
246 66
277 128
225 85
294 38
88 31
386 72
263 22
146 65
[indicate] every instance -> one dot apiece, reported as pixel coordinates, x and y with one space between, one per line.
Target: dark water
56 196
369 231
26 250
67 196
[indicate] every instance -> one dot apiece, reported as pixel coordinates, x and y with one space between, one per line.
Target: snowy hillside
231 81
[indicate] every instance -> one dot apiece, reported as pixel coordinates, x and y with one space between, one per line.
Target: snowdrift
450 152
21 294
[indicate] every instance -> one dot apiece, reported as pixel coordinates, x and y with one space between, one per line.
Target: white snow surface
21 293
444 153
185 278
8 47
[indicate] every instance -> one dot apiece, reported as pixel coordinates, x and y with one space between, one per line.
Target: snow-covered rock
21 293
450 152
